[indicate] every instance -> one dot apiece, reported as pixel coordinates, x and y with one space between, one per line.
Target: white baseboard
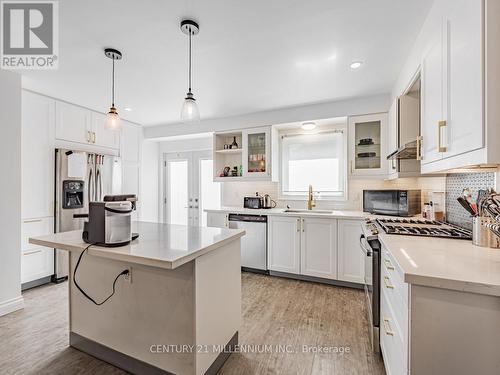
11 305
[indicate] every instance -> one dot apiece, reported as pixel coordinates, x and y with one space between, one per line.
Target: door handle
388 264
303 227
387 327
298 225
32 221
387 283
441 126
419 147
93 137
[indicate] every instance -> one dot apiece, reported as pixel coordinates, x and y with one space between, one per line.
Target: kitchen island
176 312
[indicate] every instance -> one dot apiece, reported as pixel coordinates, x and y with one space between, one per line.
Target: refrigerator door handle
98 183
91 186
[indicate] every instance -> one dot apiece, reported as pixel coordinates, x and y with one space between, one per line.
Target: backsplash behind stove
455 183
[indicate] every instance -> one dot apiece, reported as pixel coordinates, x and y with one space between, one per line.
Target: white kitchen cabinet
351 260
318 247
36 262
104 137
368 149
460 86
73 123
257 153
217 219
432 90
37 160
283 240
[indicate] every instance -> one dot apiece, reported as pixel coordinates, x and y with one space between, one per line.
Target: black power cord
124 272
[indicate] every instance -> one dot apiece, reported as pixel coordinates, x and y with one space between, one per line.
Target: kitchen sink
304 211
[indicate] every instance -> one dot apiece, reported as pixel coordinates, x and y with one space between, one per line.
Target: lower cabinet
318 247
36 262
350 257
283 244
217 219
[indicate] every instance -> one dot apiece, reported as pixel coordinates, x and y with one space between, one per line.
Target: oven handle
365 250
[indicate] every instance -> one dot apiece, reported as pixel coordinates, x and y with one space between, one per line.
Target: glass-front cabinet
256 156
367 135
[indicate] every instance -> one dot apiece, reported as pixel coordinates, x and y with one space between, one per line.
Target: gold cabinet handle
387 283
387 327
32 221
419 147
93 137
388 264
441 125
32 252
89 139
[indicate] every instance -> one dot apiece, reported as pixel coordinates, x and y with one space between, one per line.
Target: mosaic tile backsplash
455 183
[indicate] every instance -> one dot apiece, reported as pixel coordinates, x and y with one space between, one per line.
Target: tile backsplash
455 183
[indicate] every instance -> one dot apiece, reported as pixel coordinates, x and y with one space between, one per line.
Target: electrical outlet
128 277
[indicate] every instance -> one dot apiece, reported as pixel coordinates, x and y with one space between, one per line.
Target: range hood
408 151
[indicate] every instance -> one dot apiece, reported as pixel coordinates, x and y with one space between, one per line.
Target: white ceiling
249 56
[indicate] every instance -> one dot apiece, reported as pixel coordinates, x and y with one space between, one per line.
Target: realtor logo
29 35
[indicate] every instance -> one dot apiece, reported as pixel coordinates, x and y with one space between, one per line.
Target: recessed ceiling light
356 64
128 109
308 125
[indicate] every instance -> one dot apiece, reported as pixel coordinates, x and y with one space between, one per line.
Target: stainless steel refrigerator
81 177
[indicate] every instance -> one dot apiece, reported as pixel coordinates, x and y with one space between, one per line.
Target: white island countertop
159 245
446 263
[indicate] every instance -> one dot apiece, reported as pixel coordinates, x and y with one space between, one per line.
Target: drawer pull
387 283
388 264
387 327
32 221
32 252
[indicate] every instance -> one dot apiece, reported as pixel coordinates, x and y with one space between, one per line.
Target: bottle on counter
426 211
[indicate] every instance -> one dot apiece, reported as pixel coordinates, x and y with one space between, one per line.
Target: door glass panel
178 191
257 162
210 191
367 138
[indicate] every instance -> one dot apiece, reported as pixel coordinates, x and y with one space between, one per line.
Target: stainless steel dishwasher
254 243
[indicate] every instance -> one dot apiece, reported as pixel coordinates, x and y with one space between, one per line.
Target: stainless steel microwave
392 202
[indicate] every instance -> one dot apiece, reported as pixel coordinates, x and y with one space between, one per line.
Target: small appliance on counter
256 202
392 202
268 202
109 223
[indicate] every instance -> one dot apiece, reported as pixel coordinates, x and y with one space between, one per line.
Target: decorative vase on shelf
234 144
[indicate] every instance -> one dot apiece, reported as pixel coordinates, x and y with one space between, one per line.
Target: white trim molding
11 305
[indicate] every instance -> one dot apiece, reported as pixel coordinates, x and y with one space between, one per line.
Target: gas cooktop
423 227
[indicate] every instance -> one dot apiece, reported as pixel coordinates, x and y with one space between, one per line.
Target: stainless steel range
423 227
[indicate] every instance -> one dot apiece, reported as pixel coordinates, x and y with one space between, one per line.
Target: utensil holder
482 236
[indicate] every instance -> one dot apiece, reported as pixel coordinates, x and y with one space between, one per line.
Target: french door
189 187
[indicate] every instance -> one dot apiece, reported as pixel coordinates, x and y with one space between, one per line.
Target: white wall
365 105
10 193
182 145
150 164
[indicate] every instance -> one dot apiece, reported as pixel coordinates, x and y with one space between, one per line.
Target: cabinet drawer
37 263
34 228
391 340
396 291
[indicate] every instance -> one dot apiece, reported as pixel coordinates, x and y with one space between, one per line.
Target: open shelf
230 151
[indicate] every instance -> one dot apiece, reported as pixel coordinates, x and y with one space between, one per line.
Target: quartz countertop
445 263
159 245
334 214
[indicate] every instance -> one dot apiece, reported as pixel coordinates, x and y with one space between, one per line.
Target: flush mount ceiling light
356 65
128 109
190 112
113 121
310 125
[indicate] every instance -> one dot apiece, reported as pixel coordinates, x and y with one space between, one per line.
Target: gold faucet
310 199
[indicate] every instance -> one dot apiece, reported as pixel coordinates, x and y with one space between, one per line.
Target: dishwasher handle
248 218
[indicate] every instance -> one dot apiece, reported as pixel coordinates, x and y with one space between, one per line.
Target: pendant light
113 121
190 112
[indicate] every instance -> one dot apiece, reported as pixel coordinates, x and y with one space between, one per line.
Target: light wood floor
275 312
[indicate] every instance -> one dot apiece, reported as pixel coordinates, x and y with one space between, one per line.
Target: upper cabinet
81 125
257 155
37 160
244 155
367 136
460 77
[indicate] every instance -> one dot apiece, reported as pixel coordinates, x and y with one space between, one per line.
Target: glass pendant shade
113 121
190 112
